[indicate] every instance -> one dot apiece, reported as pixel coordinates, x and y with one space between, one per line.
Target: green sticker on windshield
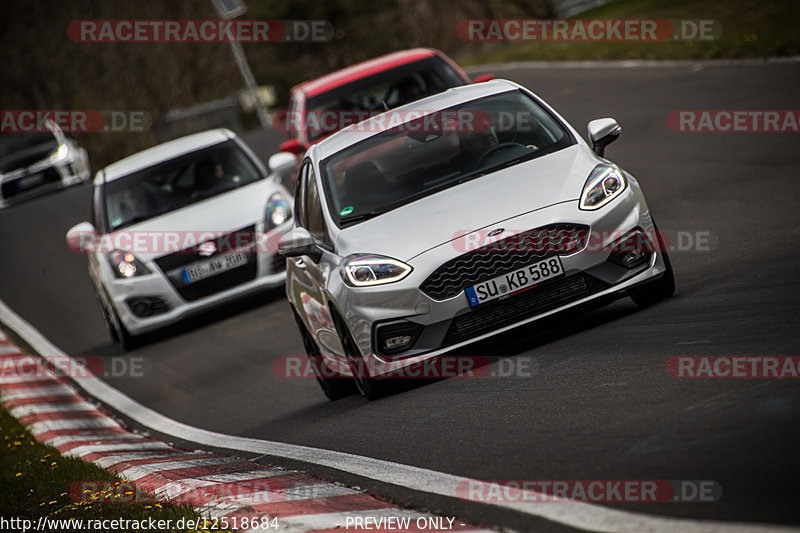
346 211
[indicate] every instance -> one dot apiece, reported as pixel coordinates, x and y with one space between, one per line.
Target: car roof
164 152
362 70
451 97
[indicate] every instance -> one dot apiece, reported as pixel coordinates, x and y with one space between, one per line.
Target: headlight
278 211
604 184
125 264
59 154
365 271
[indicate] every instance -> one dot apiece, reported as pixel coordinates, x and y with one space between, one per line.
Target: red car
325 105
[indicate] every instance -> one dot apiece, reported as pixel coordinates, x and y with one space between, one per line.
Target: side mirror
299 242
602 132
81 237
283 164
482 78
292 146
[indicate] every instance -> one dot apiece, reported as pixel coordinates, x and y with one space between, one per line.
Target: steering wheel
497 148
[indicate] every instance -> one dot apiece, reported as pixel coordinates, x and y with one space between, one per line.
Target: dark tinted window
177 183
331 111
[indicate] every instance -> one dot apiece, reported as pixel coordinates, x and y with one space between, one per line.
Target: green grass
750 28
36 481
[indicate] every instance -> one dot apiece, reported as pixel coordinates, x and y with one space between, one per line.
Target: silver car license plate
212 267
29 182
514 282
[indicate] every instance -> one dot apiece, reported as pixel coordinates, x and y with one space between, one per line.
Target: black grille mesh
172 265
502 257
550 295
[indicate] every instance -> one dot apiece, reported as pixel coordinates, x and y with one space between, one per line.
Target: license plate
513 282
213 267
30 181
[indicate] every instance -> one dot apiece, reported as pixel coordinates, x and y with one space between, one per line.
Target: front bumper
163 302
439 326
43 177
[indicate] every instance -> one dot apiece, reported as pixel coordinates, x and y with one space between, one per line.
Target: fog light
631 251
396 337
396 342
141 307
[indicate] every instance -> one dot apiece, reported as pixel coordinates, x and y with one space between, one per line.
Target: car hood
215 216
415 228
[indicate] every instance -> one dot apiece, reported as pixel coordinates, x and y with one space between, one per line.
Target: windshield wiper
363 216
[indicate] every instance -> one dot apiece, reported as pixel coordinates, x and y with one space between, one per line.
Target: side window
300 194
316 220
98 212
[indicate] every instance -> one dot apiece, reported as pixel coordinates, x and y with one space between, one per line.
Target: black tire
334 388
369 387
116 329
660 289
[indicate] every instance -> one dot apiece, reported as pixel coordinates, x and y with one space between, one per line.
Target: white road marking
139 471
52 390
37 428
694 64
39 408
86 449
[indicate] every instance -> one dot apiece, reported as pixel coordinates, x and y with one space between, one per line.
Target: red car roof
362 70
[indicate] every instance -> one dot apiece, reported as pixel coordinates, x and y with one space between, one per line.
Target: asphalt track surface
599 403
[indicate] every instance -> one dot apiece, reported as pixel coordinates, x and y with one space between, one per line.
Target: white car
417 234
35 163
180 228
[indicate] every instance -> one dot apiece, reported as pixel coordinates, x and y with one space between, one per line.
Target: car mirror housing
602 132
282 164
292 146
80 237
299 242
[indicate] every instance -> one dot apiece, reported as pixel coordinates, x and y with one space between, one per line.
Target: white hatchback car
179 228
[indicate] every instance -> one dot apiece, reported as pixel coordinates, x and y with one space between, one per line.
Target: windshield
331 111
11 143
177 183
430 154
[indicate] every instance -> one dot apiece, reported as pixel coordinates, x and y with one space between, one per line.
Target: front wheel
660 289
369 387
335 388
116 329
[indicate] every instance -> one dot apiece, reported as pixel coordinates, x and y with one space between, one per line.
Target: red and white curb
53 410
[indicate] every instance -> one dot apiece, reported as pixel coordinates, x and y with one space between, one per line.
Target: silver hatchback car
458 217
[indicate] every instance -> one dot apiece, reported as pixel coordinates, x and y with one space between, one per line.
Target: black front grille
12 188
502 257
240 240
503 312
219 282
225 244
